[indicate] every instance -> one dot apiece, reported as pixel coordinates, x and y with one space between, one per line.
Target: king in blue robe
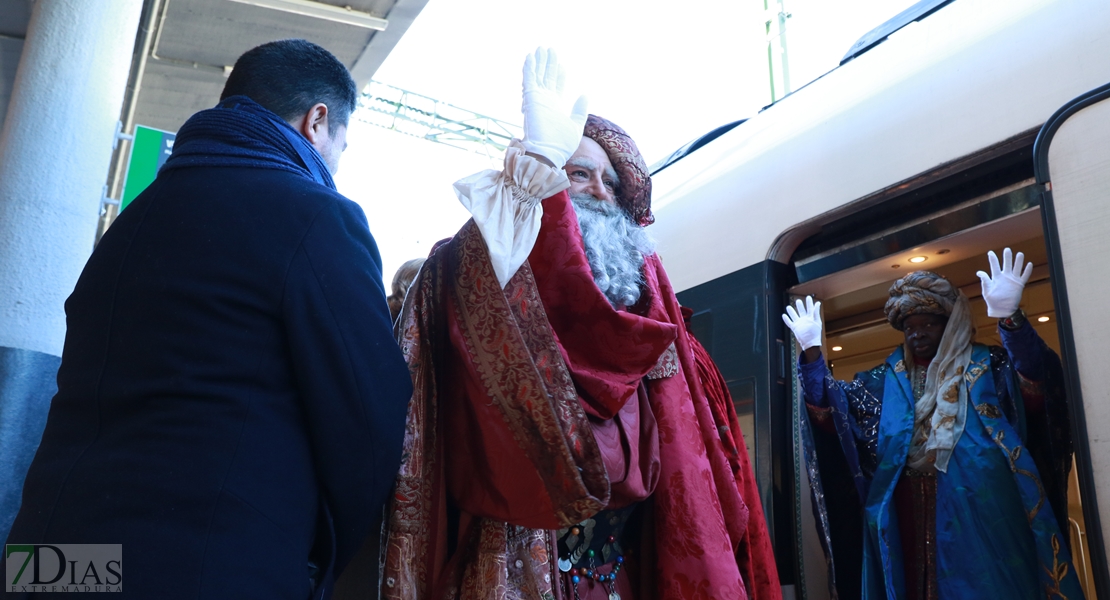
944 469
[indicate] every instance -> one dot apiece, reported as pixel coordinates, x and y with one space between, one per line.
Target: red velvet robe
498 426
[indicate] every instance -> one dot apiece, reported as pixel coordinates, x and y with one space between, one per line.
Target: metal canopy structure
195 42
430 119
185 48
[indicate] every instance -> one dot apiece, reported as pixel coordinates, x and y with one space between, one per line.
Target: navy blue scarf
239 132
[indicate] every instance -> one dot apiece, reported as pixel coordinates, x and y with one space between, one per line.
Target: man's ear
313 124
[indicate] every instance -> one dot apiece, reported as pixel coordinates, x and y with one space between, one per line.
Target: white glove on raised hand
548 128
805 322
1002 289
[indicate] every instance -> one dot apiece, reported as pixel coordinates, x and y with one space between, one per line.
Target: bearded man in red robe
567 437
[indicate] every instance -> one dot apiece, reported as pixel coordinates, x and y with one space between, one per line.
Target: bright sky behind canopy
666 72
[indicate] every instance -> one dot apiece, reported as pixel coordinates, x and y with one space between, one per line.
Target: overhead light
1043 319
894 266
918 259
837 348
319 10
943 251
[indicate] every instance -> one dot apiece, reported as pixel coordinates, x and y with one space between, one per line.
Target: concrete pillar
55 148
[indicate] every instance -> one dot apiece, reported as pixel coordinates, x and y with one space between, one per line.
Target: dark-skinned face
923 333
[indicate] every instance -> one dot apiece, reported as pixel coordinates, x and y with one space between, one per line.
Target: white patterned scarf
941 413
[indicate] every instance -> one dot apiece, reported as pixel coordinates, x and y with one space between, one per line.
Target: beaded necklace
580 547
918 373
591 572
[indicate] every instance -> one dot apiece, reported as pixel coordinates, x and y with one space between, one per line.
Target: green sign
149 151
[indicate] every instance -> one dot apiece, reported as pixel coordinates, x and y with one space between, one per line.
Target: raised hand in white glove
1002 288
550 129
805 322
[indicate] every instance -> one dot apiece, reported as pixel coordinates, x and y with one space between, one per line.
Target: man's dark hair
288 77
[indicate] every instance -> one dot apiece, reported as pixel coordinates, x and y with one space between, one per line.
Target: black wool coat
231 402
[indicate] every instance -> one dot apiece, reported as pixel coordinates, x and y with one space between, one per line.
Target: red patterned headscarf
635 191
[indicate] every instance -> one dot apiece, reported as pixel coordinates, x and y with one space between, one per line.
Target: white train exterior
938 101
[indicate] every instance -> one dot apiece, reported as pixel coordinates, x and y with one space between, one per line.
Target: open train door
1072 154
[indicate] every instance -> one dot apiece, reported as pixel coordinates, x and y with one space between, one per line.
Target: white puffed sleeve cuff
506 206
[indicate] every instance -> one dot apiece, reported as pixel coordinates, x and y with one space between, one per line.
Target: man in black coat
231 401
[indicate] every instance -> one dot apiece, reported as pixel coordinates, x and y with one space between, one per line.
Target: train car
979 125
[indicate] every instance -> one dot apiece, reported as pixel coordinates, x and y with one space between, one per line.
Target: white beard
615 248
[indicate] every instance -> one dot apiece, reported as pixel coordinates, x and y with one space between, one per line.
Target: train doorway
850 266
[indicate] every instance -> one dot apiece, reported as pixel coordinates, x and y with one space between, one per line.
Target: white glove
548 130
805 322
1002 289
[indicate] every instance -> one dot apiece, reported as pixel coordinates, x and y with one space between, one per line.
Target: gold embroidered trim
1057 573
1012 455
989 411
667 366
515 354
976 371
